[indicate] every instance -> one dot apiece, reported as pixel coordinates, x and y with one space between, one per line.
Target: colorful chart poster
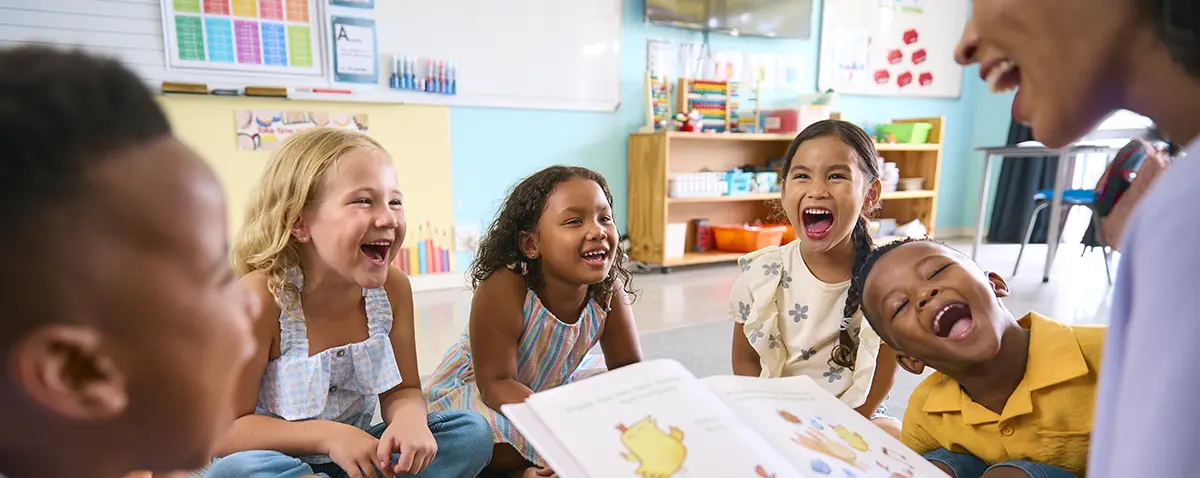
276 36
355 52
261 130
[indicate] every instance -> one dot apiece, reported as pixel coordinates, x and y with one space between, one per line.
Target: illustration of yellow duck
855 440
658 454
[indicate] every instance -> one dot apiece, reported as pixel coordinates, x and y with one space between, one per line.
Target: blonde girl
335 337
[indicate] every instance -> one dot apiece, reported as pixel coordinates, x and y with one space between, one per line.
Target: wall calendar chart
279 36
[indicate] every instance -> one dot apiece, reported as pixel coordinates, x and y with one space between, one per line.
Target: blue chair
1071 198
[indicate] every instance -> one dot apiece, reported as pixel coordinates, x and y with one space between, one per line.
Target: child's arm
403 407
745 359
881 382
259 432
619 340
495 331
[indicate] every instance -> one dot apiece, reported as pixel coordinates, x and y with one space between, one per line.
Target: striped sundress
550 353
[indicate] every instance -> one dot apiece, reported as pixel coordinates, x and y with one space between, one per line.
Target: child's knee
465 435
257 464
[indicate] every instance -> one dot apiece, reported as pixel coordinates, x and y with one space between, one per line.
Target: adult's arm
1145 424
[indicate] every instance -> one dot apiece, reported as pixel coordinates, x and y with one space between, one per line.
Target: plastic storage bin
909 133
744 238
740 183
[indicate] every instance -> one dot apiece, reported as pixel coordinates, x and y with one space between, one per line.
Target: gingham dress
341 384
550 353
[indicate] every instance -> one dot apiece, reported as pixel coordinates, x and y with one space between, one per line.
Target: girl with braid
793 309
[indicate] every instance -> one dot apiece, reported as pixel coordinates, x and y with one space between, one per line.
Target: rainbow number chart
249 35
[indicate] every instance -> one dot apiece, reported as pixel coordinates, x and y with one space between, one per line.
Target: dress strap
379 312
293 334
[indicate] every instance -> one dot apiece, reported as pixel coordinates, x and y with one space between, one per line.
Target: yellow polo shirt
1048 418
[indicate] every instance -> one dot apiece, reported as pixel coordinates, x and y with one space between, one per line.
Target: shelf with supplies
659 223
775 196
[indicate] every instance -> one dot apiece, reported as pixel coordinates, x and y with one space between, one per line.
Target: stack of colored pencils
425 252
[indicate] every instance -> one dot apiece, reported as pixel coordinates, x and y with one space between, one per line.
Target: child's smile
953 321
818 221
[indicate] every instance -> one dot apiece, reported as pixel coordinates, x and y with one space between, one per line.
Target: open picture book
656 420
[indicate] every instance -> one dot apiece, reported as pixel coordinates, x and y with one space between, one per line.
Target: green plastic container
908 133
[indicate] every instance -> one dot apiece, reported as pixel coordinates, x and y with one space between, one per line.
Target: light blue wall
494 148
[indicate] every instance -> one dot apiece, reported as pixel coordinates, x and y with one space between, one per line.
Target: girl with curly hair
550 283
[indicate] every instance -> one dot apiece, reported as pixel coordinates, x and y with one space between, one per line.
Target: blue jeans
965 465
464 441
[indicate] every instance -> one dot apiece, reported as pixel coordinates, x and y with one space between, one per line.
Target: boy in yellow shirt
1010 398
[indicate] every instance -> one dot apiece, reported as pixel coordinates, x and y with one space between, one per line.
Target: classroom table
1025 152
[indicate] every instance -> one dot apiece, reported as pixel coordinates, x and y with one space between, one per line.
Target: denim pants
464 448
965 465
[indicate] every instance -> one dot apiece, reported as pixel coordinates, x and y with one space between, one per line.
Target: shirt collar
1054 358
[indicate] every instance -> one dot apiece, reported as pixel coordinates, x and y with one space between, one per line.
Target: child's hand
353 450
413 441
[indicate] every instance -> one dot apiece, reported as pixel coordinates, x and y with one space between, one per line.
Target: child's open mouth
817 221
595 256
376 252
953 322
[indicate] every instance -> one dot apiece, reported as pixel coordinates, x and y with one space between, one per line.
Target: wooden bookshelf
654 157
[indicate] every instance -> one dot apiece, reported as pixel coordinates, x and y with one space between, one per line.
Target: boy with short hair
1010 397
122 325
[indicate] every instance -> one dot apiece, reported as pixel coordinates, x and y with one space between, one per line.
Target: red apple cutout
882 77
895 57
910 36
919 56
904 79
925 79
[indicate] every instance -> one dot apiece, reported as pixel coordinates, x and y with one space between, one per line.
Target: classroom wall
493 148
418 138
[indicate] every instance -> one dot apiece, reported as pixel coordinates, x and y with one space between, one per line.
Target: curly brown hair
499 247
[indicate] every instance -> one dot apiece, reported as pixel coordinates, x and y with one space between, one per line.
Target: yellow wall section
417 137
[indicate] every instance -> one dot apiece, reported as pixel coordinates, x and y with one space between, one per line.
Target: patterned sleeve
740 300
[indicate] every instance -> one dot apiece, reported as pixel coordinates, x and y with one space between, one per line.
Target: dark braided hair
859 280
864 148
499 248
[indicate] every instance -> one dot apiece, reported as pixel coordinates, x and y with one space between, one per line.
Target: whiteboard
553 54
892 47
541 54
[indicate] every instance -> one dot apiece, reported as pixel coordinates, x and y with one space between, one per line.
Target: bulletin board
892 47
277 36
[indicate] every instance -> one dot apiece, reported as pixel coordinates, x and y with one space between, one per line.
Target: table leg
983 199
1052 236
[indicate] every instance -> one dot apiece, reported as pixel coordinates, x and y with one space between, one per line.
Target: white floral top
793 320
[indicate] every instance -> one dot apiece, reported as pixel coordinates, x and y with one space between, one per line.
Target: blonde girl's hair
290 182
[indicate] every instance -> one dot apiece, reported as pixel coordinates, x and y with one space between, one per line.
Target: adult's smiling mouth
953 321
1001 75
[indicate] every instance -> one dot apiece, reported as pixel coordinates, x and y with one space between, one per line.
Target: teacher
1073 62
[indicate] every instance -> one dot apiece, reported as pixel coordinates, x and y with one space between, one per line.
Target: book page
816 432
535 431
653 420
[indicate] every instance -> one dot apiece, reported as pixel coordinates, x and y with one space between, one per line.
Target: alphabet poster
355 50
